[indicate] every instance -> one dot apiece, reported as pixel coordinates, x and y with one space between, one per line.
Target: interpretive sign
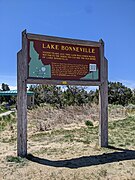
60 61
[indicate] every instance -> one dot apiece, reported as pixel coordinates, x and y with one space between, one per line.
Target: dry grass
47 117
70 152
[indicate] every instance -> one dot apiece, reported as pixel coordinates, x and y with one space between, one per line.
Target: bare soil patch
68 152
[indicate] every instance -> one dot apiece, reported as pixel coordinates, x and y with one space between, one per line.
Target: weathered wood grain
103 100
62 40
22 98
62 82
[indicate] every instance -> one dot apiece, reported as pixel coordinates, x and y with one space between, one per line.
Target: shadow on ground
85 161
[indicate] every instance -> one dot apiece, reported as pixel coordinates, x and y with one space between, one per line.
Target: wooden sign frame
23 80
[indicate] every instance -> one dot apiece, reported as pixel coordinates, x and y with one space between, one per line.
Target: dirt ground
68 153
61 160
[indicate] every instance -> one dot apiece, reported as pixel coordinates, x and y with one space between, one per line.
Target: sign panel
63 61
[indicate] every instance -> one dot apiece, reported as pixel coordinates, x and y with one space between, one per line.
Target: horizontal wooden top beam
62 40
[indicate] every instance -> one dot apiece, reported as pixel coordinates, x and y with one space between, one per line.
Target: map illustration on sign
92 75
36 67
61 61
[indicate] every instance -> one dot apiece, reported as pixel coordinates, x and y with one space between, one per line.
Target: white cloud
9 80
128 83
13 87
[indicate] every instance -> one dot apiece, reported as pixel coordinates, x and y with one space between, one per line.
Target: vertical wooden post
103 99
22 98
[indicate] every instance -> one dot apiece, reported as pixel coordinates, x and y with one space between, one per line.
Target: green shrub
6 120
88 123
14 159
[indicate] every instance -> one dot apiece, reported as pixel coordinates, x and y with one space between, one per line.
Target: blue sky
111 20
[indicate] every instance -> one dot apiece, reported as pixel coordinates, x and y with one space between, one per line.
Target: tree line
74 95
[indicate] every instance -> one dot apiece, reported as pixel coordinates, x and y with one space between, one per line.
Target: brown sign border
52 39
